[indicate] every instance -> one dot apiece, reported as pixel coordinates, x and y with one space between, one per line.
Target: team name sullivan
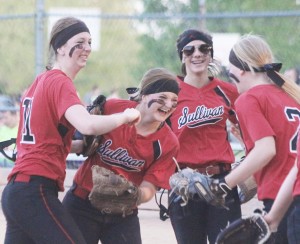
118 157
202 113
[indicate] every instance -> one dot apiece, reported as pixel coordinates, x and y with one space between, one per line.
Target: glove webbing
4 144
220 187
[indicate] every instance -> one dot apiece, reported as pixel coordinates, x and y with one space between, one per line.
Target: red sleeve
64 95
250 115
115 105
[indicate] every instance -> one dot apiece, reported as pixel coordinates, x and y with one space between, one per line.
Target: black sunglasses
203 48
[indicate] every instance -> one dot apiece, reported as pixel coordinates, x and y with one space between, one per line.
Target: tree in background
134 40
161 30
233 16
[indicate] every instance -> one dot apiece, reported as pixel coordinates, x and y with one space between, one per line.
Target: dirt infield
153 229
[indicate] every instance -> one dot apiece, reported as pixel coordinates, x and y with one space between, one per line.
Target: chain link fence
128 41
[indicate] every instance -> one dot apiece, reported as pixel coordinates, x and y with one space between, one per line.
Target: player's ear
242 72
61 51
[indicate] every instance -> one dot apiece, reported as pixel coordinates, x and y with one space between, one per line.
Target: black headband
161 86
233 59
64 35
191 35
270 69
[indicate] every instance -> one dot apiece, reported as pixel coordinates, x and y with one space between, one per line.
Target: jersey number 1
27 136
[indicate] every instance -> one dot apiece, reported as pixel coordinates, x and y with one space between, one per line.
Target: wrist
121 118
131 116
271 221
224 186
227 182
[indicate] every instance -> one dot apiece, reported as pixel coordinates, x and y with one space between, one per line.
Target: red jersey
44 135
266 110
199 122
296 191
127 153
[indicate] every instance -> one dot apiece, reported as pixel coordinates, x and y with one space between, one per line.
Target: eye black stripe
232 76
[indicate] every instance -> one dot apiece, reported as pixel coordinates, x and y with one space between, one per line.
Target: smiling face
198 61
159 106
77 49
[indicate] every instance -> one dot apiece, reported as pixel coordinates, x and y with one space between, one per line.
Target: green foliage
280 32
159 40
109 67
132 45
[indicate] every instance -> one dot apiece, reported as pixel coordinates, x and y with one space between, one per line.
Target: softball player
288 195
205 104
142 154
268 117
49 111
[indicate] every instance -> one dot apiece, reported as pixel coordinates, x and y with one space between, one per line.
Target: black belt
213 169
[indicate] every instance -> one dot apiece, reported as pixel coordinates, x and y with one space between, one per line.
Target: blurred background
131 36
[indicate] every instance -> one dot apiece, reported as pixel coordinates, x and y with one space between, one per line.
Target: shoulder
182 84
123 103
116 105
54 83
249 99
55 76
266 94
56 80
225 89
168 135
259 92
226 86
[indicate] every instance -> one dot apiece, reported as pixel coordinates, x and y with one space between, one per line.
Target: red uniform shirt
135 157
296 191
267 110
199 122
44 136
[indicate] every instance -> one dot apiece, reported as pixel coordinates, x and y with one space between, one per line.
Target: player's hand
235 130
133 116
77 146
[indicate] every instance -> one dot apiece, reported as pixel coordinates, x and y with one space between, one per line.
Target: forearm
283 200
262 153
147 192
101 124
88 124
235 131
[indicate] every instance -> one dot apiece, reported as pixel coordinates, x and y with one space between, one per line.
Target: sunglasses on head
203 48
